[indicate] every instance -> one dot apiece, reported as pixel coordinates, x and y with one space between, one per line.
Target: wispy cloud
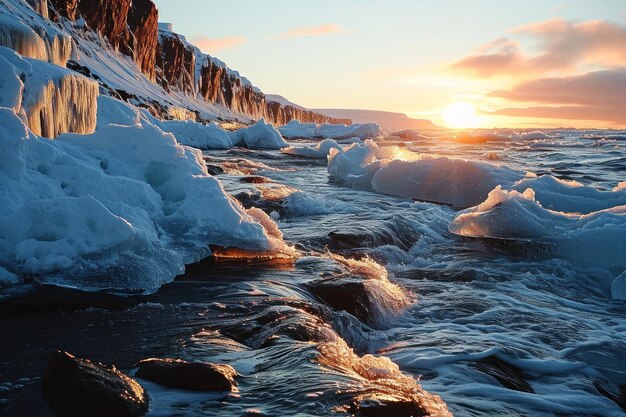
210 45
598 95
562 46
321 30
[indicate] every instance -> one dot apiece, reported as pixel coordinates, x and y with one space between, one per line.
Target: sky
472 63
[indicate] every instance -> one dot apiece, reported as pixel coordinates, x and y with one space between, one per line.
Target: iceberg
399 172
260 135
319 151
296 129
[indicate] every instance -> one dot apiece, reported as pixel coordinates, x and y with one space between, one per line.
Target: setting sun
460 115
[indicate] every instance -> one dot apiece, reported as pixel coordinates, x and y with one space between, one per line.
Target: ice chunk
396 171
595 239
571 196
319 151
295 129
125 207
260 135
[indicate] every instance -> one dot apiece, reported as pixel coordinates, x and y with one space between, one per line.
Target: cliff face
131 27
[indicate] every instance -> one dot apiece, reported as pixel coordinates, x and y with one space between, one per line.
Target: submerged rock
76 387
197 376
345 293
506 374
389 407
68 300
615 394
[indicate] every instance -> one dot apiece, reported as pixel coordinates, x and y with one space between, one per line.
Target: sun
460 115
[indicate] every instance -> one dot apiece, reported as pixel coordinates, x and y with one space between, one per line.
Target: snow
190 133
125 207
296 129
319 151
396 171
597 238
260 135
53 99
276 98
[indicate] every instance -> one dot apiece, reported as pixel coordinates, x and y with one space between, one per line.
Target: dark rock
176 62
506 374
344 293
389 408
215 169
78 387
255 179
198 376
50 298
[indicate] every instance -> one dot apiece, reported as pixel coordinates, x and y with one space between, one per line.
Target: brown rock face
143 22
130 26
177 63
78 387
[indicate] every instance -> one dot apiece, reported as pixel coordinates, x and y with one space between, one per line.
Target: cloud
561 45
311 31
598 95
209 45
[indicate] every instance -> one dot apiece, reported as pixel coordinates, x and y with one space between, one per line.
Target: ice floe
296 129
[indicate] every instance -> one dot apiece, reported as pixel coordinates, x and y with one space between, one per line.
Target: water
447 303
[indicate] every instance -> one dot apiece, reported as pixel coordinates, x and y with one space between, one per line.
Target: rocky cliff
166 58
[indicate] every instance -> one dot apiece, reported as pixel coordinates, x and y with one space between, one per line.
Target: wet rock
255 179
50 298
214 169
248 200
76 387
389 407
197 376
506 374
349 294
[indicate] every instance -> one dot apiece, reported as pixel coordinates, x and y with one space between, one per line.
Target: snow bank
594 239
295 129
396 171
54 100
188 132
125 207
260 135
319 151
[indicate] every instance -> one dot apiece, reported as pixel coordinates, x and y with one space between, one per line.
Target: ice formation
23 29
54 100
395 171
260 135
594 239
319 151
125 207
296 129
571 196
